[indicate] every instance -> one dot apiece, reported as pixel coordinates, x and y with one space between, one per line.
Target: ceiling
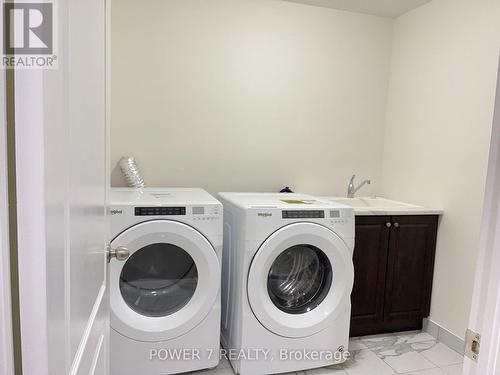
385 8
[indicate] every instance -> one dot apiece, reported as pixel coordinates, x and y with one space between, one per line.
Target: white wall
439 118
253 95
248 95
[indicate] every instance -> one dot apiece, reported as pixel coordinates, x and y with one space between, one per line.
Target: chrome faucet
351 189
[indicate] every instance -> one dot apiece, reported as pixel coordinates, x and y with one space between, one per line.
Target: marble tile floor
410 353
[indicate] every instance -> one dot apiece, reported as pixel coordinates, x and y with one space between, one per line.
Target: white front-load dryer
165 297
286 282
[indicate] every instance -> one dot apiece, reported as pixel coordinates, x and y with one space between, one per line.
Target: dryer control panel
150 211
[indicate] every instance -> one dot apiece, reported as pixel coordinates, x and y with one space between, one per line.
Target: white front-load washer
286 282
165 297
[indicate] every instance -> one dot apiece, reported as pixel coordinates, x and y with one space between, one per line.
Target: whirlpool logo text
264 214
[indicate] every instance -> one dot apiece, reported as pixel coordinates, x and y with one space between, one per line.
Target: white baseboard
443 335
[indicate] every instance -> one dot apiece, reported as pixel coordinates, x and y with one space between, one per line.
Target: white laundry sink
383 206
373 202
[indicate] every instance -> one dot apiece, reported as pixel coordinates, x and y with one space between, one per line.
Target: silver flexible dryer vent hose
131 172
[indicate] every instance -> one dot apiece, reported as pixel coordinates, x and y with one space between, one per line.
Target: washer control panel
303 214
336 217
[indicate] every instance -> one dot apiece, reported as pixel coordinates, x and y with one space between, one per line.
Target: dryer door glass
158 279
299 279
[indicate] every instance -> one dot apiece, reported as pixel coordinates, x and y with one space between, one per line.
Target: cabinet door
370 260
410 267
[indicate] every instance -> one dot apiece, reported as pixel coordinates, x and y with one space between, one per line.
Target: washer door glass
158 280
299 279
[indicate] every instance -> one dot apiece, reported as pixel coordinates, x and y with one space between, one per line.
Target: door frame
6 337
485 310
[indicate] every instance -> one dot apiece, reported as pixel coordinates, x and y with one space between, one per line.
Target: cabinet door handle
396 225
388 224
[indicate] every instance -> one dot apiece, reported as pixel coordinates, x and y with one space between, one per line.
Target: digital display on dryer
159 211
303 214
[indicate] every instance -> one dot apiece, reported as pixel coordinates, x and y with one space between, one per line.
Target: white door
300 278
61 185
167 286
485 308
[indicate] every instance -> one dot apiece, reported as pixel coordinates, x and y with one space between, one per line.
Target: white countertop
369 206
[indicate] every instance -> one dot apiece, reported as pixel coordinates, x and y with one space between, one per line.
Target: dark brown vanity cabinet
393 267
